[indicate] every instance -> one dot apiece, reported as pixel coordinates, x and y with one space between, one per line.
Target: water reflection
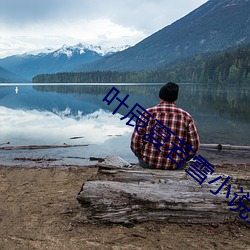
52 114
29 127
225 101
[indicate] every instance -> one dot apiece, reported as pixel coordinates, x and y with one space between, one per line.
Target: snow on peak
81 48
40 51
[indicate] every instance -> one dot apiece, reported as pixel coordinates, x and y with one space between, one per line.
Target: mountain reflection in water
52 114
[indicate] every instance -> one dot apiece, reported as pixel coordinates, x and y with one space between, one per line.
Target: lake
74 114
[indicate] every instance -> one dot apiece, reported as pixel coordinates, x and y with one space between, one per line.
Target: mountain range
64 59
7 76
214 26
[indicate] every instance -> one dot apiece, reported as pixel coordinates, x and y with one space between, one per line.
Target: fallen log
139 195
76 137
37 160
224 147
29 147
5 143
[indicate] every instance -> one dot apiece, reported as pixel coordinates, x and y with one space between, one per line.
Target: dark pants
145 165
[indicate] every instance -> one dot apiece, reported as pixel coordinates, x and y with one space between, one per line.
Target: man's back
169 139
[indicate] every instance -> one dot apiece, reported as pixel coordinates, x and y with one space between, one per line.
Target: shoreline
39 210
220 165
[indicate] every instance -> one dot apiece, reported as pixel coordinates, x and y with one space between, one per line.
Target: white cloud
33 127
33 24
38 36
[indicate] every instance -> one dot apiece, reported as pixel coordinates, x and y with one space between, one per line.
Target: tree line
231 66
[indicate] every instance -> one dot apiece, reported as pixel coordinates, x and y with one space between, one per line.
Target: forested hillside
7 76
229 66
214 26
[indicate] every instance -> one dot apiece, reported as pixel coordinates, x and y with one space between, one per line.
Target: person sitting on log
165 136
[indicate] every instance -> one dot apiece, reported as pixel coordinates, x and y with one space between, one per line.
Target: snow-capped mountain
81 48
64 59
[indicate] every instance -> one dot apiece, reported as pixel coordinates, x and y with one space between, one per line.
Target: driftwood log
30 147
120 195
224 147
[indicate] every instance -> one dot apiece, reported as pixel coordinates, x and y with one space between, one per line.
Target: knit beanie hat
169 92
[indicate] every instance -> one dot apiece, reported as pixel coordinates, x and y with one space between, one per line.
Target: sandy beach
38 210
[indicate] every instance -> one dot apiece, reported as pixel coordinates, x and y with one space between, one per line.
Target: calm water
76 114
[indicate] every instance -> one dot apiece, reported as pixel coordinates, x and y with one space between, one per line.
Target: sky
32 25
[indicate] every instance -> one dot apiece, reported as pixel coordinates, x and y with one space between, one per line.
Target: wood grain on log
118 195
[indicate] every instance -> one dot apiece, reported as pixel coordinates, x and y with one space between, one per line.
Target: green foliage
91 77
231 66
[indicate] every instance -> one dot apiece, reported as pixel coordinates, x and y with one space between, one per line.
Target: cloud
22 12
33 127
31 24
38 36
142 14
